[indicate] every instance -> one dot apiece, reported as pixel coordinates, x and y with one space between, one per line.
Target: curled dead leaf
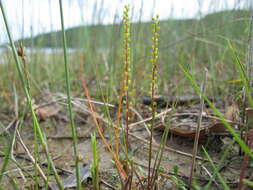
232 112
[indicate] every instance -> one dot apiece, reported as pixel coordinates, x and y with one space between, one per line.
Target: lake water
5 49
43 51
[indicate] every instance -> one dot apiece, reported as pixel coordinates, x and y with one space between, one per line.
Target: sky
31 17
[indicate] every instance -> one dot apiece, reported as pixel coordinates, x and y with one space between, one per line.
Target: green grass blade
5 162
247 182
245 79
95 163
72 124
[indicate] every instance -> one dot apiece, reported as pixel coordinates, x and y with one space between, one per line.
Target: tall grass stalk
21 54
36 126
72 124
196 140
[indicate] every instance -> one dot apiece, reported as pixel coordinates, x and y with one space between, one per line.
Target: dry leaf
46 112
232 112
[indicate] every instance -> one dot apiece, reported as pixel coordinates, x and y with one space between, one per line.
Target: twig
70 137
17 170
144 123
107 184
44 163
210 175
13 145
63 97
31 158
11 126
150 118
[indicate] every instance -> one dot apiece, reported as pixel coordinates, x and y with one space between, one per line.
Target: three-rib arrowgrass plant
127 71
36 126
154 173
122 141
153 90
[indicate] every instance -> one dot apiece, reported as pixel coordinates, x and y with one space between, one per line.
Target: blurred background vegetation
96 51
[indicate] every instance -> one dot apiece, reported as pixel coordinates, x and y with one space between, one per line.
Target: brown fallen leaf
232 112
46 112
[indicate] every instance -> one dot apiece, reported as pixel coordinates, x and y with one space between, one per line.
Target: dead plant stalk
196 140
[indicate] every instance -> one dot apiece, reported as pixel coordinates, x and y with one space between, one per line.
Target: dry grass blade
31 158
196 140
150 118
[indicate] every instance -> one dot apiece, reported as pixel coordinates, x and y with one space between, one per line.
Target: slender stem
196 140
154 60
72 124
127 63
